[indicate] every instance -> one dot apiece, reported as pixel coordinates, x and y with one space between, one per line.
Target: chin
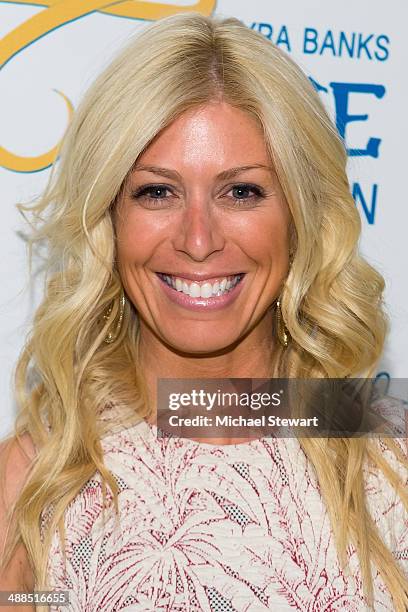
197 346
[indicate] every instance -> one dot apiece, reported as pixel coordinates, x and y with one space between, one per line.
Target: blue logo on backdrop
352 45
343 44
341 94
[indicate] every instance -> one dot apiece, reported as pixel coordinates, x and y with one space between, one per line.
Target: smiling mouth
204 289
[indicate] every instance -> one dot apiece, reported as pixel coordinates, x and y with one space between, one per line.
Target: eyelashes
149 189
154 195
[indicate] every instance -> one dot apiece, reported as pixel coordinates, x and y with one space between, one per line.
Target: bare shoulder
15 461
16 458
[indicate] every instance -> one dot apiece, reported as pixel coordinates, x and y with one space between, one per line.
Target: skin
201 222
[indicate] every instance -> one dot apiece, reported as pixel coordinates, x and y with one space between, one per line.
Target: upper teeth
204 290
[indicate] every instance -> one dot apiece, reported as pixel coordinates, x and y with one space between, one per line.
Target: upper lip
200 276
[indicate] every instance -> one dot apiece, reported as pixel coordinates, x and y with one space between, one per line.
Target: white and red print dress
217 529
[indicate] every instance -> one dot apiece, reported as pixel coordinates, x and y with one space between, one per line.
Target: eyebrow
224 175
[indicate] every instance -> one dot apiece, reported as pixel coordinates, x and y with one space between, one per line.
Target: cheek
268 238
136 237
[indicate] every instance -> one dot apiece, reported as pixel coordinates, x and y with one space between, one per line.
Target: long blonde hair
331 301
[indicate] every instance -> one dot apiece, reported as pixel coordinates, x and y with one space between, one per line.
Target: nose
199 233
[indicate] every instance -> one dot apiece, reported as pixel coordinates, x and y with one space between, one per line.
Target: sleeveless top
217 528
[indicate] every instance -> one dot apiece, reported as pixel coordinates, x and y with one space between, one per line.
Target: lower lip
201 304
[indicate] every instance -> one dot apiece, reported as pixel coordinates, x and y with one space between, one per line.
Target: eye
152 193
246 193
156 192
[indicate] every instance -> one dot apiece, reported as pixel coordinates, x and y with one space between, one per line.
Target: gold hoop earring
283 334
114 329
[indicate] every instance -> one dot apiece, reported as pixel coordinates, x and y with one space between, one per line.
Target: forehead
214 133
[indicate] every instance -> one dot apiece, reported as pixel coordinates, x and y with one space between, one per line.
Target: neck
250 358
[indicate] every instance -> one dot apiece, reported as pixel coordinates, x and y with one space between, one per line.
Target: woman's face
203 207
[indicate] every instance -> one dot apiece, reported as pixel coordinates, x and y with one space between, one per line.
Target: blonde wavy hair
331 301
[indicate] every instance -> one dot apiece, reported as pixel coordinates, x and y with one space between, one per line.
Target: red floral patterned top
217 529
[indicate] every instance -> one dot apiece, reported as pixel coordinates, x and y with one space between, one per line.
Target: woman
200 224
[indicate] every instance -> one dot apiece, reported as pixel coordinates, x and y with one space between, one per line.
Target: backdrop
356 57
